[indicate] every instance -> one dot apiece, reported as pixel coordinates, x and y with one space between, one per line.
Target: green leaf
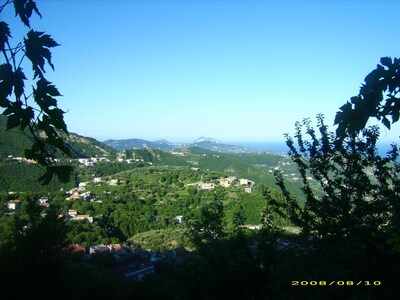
62 172
57 119
19 6
386 61
36 152
4 102
24 8
6 80
4 34
395 116
14 115
18 116
44 93
373 77
13 121
19 78
386 122
31 6
28 115
37 46
46 178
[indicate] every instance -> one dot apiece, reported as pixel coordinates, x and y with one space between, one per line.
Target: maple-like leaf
24 9
6 80
62 172
44 94
19 78
18 116
4 34
37 46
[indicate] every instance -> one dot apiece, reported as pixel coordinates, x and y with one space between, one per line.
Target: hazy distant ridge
164 145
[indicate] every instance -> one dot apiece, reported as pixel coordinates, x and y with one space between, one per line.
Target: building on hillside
207 186
248 190
99 249
223 182
114 181
14 204
74 249
72 213
86 161
179 219
244 181
83 217
43 200
232 179
119 251
73 197
87 196
97 180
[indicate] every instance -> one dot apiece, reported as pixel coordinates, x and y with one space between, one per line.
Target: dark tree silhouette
378 97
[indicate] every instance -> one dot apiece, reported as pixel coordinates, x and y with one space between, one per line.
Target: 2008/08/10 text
336 283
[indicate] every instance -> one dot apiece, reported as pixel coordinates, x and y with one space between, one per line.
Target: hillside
89 147
202 142
14 142
122 145
257 167
23 177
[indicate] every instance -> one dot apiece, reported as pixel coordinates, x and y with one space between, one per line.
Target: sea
274 147
281 148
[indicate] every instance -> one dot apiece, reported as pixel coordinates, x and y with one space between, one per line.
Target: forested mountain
14 142
87 147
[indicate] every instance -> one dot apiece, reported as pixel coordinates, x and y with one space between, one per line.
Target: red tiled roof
74 249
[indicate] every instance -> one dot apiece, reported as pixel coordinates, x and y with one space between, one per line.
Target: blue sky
231 70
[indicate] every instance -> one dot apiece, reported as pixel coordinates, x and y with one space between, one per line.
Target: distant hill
122 145
89 147
14 142
202 142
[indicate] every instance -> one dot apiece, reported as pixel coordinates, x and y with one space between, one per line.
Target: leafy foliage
361 189
209 226
45 124
22 177
378 97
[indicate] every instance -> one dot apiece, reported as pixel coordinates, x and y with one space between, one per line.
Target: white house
114 181
232 179
72 213
43 200
14 204
97 180
180 219
207 186
83 217
248 190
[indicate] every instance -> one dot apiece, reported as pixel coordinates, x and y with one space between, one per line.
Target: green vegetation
337 222
14 142
23 177
161 239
